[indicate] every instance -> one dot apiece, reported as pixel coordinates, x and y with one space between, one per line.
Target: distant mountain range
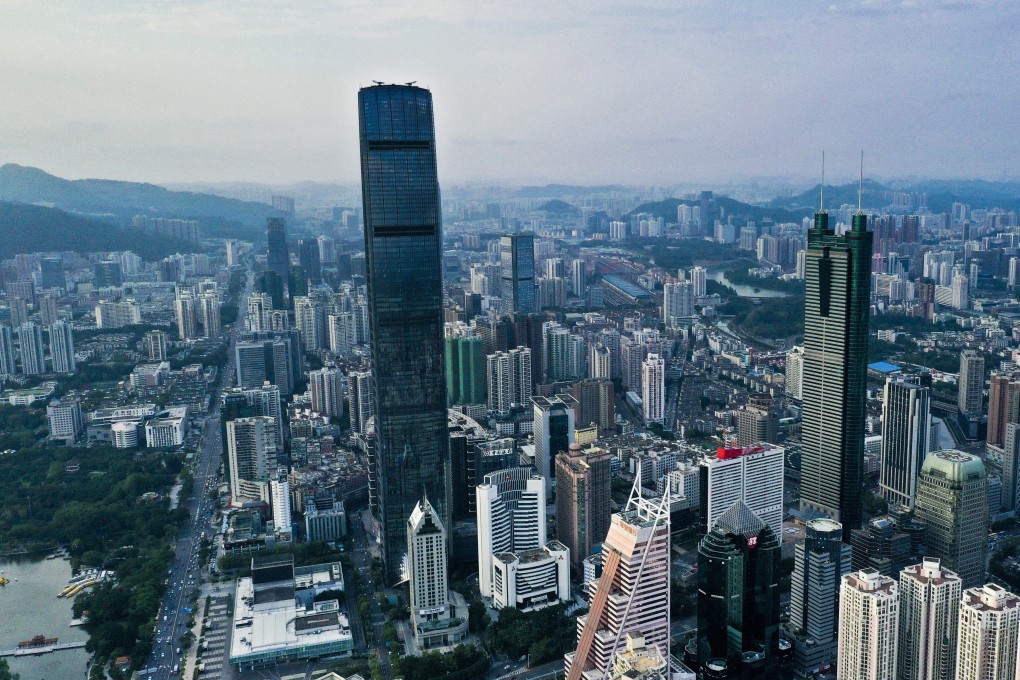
939 195
667 209
32 228
120 201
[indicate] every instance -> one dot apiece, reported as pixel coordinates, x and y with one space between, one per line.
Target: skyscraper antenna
821 193
860 187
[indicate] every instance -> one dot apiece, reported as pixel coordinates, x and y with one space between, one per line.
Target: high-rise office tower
251 456
987 633
33 355
738 594
254 401
434 621
511 517
906 433
360 400
51 273
271 283
308 257
583 500
62 348
653 389
929 609
869 610
1011 468
465 369
297 284
404 247
258 361
509 379
7 364
837 299
517 273
187 322
1003 405
632 594
554 431
752 474
758 422
971 385
107 273
327 388
277 260
820 562
155 345
952 497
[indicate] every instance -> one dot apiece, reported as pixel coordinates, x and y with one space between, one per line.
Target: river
29 607
719 275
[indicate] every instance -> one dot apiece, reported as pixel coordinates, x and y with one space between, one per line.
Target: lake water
29 607
719 276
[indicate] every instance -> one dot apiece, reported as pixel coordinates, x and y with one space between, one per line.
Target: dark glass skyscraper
403 247
277 258
517 273
838 278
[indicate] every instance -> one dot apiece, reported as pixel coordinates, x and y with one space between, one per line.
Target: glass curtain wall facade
517 273
277 259
838 283
403 246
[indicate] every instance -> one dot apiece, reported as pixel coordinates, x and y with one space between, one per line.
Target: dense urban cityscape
760 428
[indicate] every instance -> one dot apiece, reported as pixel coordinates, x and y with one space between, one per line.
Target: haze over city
602 92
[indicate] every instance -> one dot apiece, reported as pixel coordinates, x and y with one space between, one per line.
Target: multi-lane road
185 571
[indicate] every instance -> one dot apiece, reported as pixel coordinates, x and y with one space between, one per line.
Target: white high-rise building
209 314
578 278
987 633
62 348
632 595
251 454
65 420
653 389
511 517
259 307
509 379
187 321
600 364
752 474
360 404
795 373
868 627
343 332
699 278
308 318
327 389
906 431
678 304
33 355
279 493
117 314
929 609
432 620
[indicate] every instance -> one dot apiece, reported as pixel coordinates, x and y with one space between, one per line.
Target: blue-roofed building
883 369
619 292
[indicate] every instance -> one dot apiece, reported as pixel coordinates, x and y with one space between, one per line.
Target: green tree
5 671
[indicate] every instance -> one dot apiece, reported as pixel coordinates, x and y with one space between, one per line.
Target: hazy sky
636 91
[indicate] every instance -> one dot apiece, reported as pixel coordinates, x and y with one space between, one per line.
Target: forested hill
31 228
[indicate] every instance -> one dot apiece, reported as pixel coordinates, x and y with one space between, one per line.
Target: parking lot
213 644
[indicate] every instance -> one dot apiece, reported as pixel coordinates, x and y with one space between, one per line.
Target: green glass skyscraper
837 299
403 248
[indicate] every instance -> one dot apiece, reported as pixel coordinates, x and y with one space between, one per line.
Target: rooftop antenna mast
860 187
821 196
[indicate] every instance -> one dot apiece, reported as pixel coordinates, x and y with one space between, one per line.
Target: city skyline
659 89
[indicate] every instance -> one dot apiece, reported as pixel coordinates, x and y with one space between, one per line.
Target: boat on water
37 641
4 581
